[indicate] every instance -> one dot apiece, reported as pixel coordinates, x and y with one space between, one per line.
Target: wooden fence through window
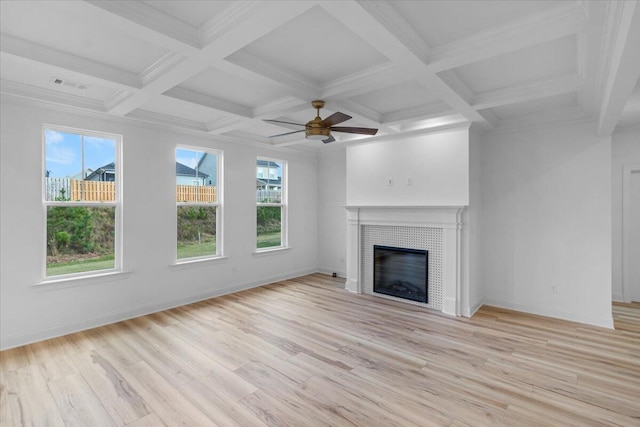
195 193
62 189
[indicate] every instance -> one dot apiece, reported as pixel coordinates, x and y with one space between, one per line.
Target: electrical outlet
410 180
390 182
554 289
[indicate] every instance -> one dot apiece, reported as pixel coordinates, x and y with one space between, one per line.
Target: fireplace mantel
447 218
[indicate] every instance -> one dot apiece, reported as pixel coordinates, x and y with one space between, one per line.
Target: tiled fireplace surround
439 229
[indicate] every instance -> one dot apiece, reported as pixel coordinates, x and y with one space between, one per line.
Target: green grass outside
80 266
195 249
185 250
268 240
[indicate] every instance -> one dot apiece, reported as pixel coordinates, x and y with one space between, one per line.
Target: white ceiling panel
540 62
191 12
524 109
401 96
444 21
316 47
58 25
225 86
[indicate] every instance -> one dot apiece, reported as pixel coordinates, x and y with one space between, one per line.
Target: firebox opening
401 272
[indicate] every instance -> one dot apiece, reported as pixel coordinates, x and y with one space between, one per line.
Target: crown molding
92 72
116 99
160 67
151 121
50 96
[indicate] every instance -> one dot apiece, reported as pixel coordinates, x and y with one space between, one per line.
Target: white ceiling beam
589 58
624 67
562 20
256 20
527 92
377 22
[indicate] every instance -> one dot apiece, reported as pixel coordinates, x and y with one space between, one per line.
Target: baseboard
329 272
618 297
475 307
604 322
65 329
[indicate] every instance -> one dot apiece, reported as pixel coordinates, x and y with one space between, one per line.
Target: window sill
269 252
51 284
197 262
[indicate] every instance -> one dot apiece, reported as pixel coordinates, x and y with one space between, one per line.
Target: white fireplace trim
448 218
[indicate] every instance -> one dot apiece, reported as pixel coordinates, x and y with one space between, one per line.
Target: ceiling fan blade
328 140
334 119
363 131
288 133
280 121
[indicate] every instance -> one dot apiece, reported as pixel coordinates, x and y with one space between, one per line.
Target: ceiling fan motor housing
315 130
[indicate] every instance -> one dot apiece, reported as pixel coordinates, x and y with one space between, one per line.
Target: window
271 198
198 203
81 194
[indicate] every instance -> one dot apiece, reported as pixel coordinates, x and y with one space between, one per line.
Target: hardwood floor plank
164 399
30 400
119 398
77 403
151 420
304 352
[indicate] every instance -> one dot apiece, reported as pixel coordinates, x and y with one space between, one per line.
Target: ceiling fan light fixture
317 134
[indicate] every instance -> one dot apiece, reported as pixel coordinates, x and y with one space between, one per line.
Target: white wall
29 313
438 164
332 216
625 150
546 221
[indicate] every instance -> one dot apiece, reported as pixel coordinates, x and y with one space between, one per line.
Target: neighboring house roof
268 163
111 167
185 170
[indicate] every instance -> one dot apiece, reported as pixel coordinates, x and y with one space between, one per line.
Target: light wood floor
626 316
306 353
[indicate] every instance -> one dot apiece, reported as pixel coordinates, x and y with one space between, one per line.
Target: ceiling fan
320 129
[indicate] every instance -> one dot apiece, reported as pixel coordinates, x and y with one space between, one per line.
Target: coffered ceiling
221 67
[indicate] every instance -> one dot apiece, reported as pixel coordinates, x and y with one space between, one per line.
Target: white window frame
284 208
218 204
117 203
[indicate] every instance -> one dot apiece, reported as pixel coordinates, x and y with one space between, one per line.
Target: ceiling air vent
70 83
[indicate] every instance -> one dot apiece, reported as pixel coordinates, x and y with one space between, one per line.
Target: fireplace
401 272
436 229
